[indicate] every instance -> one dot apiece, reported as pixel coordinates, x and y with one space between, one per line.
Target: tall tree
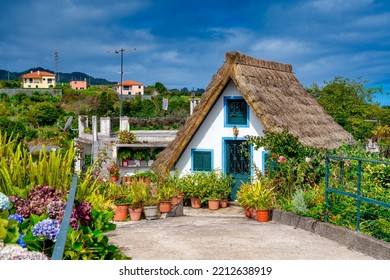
106 105
350 104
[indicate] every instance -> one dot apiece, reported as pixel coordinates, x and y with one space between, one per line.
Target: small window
236 112
202 160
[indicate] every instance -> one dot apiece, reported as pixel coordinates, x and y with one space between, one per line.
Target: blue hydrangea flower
4 202
21 241
47 228
16 217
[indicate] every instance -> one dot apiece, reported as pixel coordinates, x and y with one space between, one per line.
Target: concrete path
202 234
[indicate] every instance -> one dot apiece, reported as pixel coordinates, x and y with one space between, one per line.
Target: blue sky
183 43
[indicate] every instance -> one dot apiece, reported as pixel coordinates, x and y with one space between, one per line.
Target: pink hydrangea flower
282 159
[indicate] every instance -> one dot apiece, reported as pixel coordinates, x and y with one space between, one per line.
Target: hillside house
79 85
246 96
130 88
39 79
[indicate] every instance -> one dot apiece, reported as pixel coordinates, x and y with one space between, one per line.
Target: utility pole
121 51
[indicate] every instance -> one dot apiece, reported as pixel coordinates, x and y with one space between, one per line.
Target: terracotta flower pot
195 202
174 201
165 206
213 204
248 212
254 213
120 213
224 203
114 179
135 213
262 215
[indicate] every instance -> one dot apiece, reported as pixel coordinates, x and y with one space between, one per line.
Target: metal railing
352 187
59 246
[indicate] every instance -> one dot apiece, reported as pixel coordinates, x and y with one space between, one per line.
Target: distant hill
64 77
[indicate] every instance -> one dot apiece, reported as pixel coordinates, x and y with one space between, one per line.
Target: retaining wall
352 239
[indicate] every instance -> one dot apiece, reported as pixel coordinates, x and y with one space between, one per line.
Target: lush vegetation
350 103
39 118
33 195
296 174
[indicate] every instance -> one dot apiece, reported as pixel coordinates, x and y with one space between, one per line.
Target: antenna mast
57 75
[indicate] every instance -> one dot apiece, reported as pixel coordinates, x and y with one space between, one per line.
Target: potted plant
147 176
126 137
243 196
225 189
119 194
211 184
192 189
114 171
138 195
261 197
165 191
127 178
123 156
150 205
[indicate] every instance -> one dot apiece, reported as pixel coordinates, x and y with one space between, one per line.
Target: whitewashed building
246 96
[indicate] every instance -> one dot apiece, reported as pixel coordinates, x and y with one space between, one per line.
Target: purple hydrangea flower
16 217
47 228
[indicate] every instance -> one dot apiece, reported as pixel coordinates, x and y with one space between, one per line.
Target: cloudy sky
183 43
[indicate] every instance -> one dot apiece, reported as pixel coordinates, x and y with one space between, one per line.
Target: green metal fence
357 195
59 246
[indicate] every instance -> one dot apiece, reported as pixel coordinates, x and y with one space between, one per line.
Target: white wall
212 131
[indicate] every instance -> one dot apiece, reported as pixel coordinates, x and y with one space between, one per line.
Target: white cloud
338 6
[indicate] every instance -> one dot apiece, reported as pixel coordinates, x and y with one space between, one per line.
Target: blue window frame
236 111
202 160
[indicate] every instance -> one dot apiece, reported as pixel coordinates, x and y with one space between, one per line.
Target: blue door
237 164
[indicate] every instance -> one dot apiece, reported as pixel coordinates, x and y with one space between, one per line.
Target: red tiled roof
37 74
129 83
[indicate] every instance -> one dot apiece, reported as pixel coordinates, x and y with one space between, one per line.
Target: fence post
59 246
326 187
358 195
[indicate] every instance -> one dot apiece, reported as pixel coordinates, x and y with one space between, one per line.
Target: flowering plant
47 228
4 202
113 169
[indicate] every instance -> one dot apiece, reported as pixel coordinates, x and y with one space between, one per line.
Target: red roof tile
129 83
37 74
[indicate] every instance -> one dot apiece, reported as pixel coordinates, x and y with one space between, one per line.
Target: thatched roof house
273 94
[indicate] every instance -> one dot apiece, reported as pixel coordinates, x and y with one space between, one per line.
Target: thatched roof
276 97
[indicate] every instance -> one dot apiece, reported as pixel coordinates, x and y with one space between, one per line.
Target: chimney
39 72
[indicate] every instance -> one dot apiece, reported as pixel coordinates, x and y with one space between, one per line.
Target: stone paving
202 234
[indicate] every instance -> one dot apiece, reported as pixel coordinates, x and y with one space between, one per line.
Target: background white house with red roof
130 87
39 79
